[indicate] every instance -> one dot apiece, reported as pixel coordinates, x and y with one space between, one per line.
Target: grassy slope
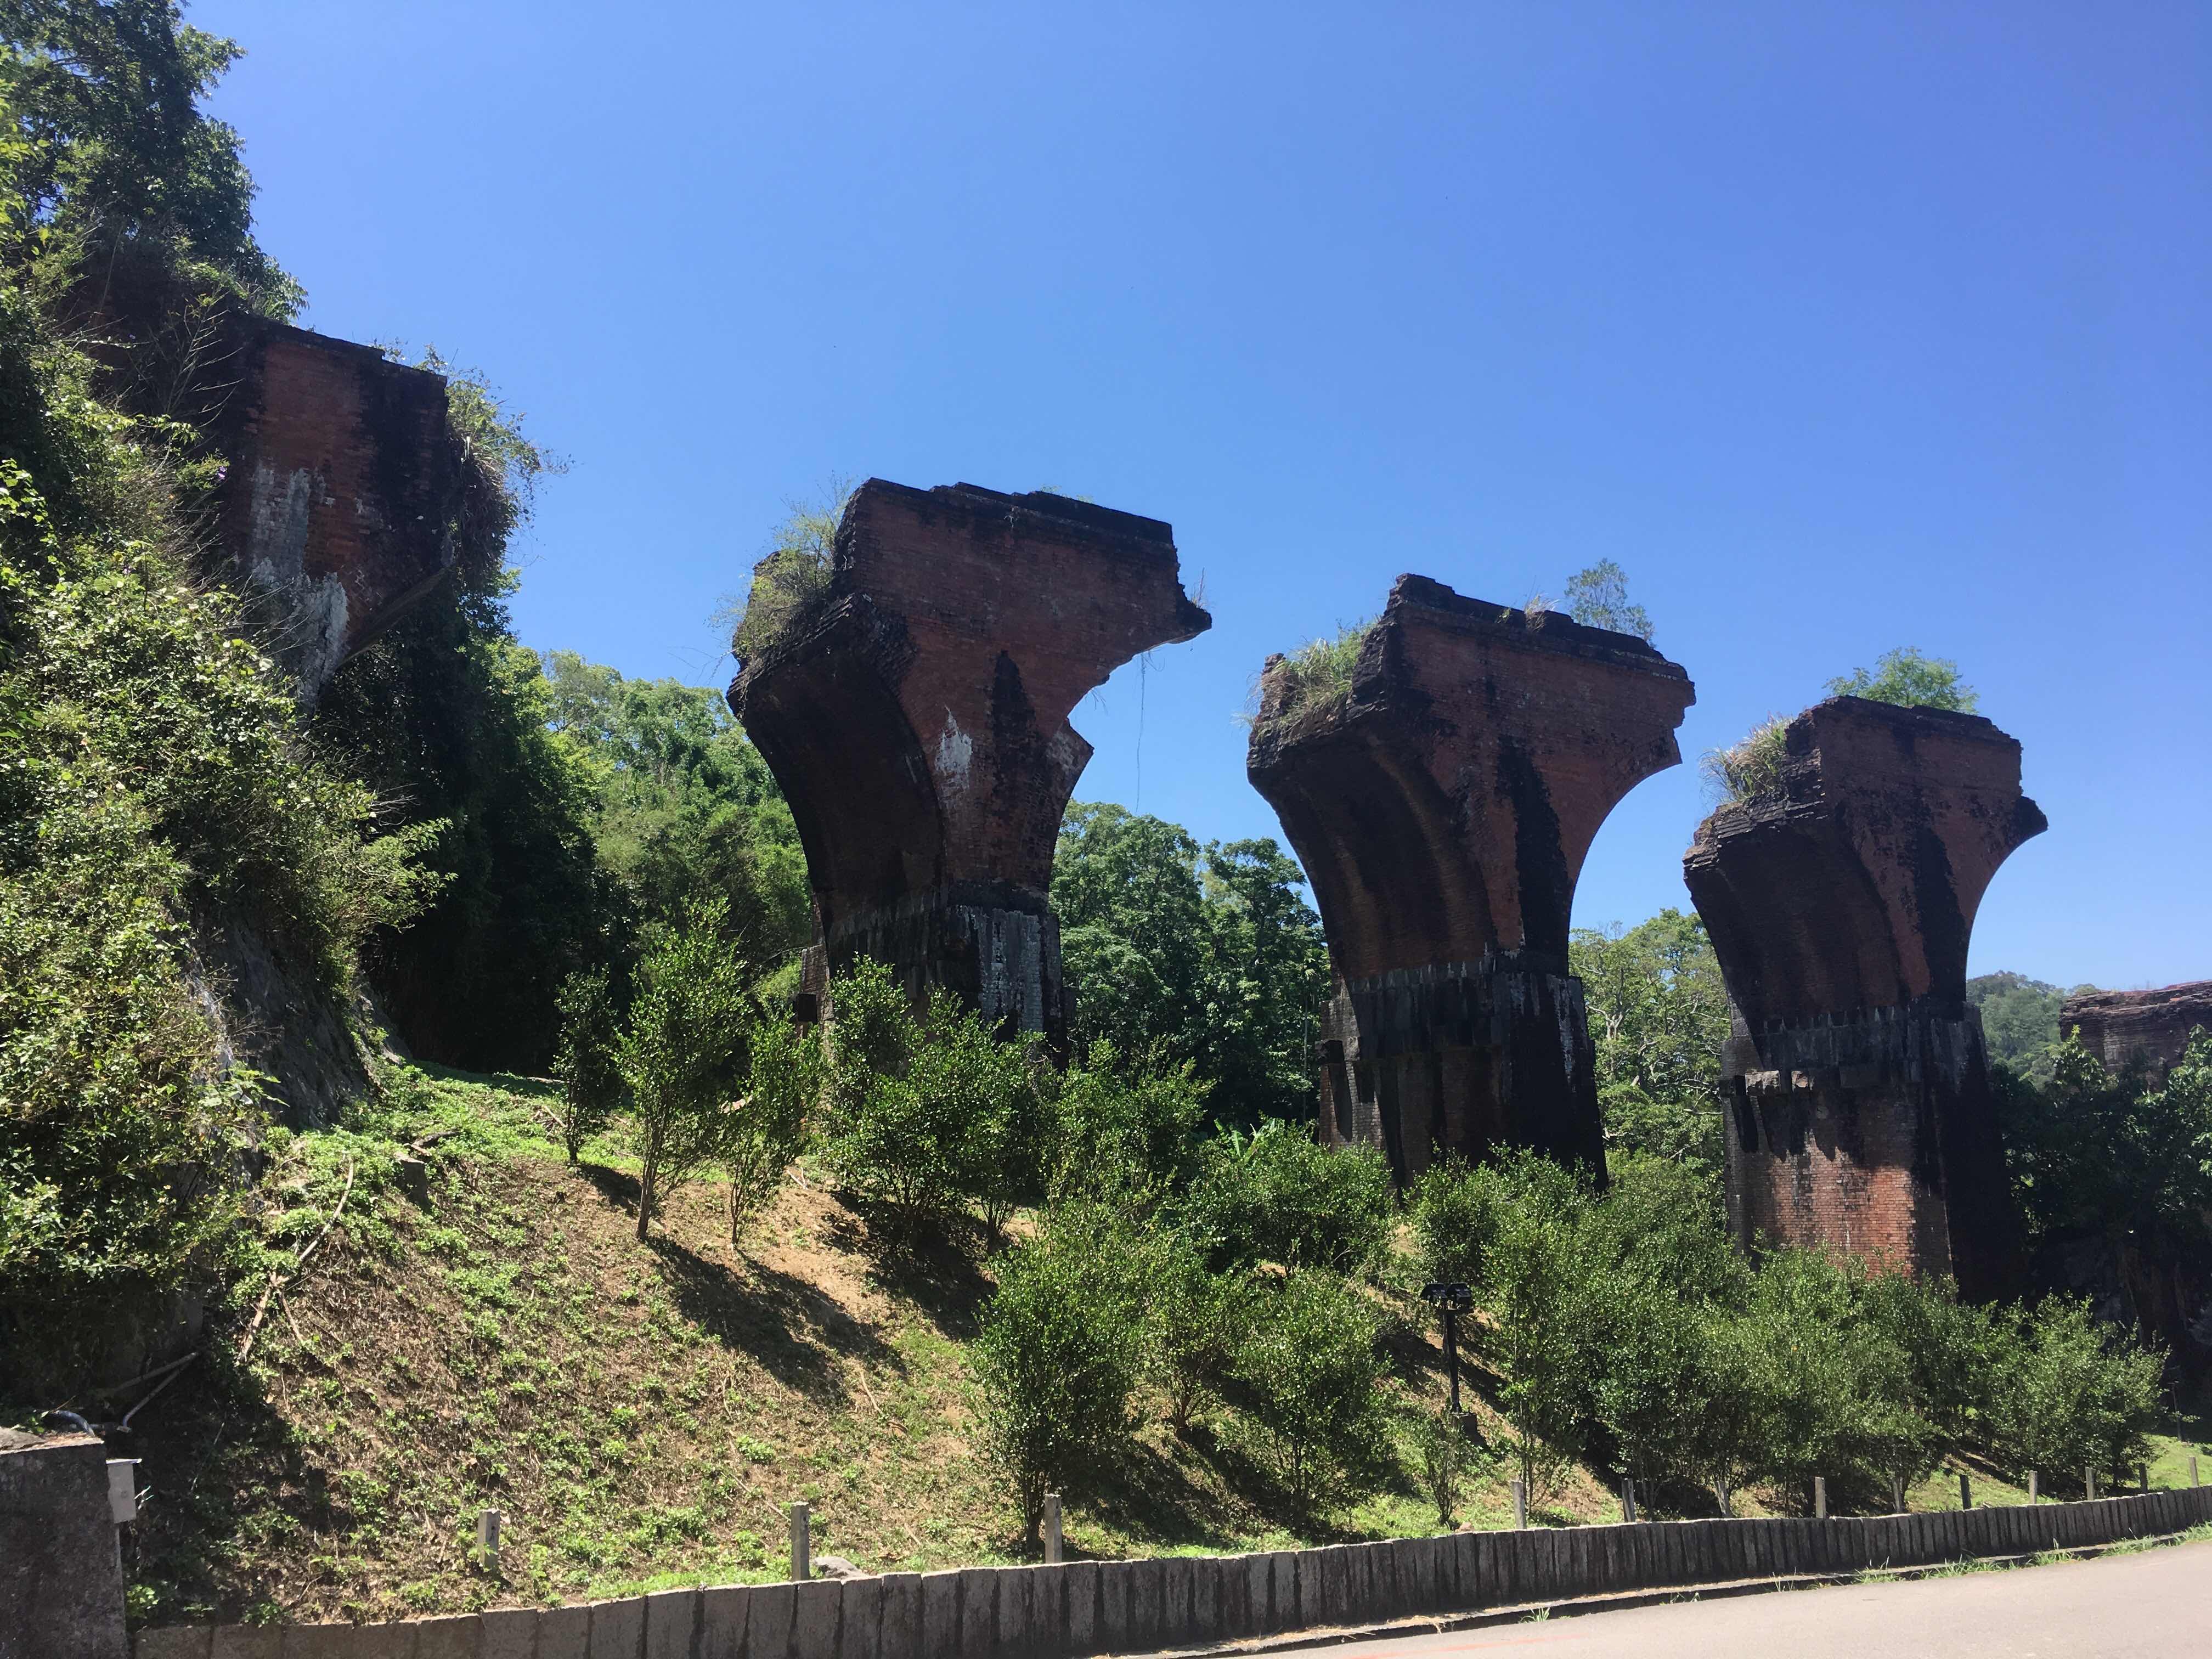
639 1412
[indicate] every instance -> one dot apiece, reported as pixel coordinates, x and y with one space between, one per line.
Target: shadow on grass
792 1330
933 1264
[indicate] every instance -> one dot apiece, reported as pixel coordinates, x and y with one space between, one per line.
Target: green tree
1058 1353
1184 953
1125 1131
1598 597
1908 677
588 1059
2069 1393
1197 1319
1307 1374
1278 1195
2020 1017
682 1055
767 1127
1658 1014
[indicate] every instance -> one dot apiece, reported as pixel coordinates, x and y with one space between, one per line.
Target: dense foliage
1910 679
1184 953
1658 1016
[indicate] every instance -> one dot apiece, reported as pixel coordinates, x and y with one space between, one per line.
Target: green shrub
1058 1353
929 1112
1910 679
793 575
2068 1393
1278 1194
767 1127
682 1055
1197 1320
1123 1131
587 1060
1306 1376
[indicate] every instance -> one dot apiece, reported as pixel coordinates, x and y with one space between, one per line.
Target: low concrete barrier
1182 1602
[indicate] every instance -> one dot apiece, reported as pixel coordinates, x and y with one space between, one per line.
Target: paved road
2156 1603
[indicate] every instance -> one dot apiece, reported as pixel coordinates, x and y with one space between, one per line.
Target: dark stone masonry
338 504
1860 1118
2145 1029
915 715
1442 808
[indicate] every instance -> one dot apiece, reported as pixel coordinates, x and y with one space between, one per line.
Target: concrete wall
61 1576
1134 1607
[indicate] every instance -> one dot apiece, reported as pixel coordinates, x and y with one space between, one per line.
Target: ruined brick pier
1840 906
915 714
1442 806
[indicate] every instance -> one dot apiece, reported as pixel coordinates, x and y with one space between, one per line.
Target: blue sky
1838 327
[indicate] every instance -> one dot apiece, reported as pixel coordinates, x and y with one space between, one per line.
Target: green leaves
1908 677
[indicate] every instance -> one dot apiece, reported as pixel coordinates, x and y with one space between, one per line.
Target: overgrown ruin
1841 904
337 506
915 712
1442 804
2145 1031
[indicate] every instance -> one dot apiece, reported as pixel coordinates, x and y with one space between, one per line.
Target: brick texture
1840 908
342 486
1442 811
916 718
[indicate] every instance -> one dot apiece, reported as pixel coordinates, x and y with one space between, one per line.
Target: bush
587 1060
1907 677
1278 1195
767 1127
929 1111
1750 769
1059 1352
793 575
682 1055
2069 1393
1306 1376
1121 1131
1197 1321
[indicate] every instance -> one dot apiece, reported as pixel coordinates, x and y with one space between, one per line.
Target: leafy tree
1058 1353
1278 1195
682 1055
1599 597
587 1061
767 1128
929 1112
2020 1017
1197 1320
1307 1373
1907 677
685 806
1184 953
1658 1013
2069 1393
1122 1131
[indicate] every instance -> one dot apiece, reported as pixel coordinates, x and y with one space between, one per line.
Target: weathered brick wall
342 484
916 718
1841 909
1442 811
2149 1028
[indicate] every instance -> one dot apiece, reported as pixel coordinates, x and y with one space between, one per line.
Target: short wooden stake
487 1536
1520 1504
1052 1526
1628 1499
2193 1480
2034 1495
1897 1494
1965 1491
2089 1478
1819 1497
802 1545
2142 1475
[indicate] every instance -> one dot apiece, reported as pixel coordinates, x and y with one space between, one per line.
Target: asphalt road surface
2158 1602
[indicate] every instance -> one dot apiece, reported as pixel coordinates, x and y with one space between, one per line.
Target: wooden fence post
802 1545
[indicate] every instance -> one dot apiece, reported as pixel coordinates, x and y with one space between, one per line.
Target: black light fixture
1451 1298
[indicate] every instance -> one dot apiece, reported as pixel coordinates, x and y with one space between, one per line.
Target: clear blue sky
1839 326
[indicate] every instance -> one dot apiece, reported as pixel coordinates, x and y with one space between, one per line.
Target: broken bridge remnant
343 480
1442 805
915 713
2144 1030
1860 1116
